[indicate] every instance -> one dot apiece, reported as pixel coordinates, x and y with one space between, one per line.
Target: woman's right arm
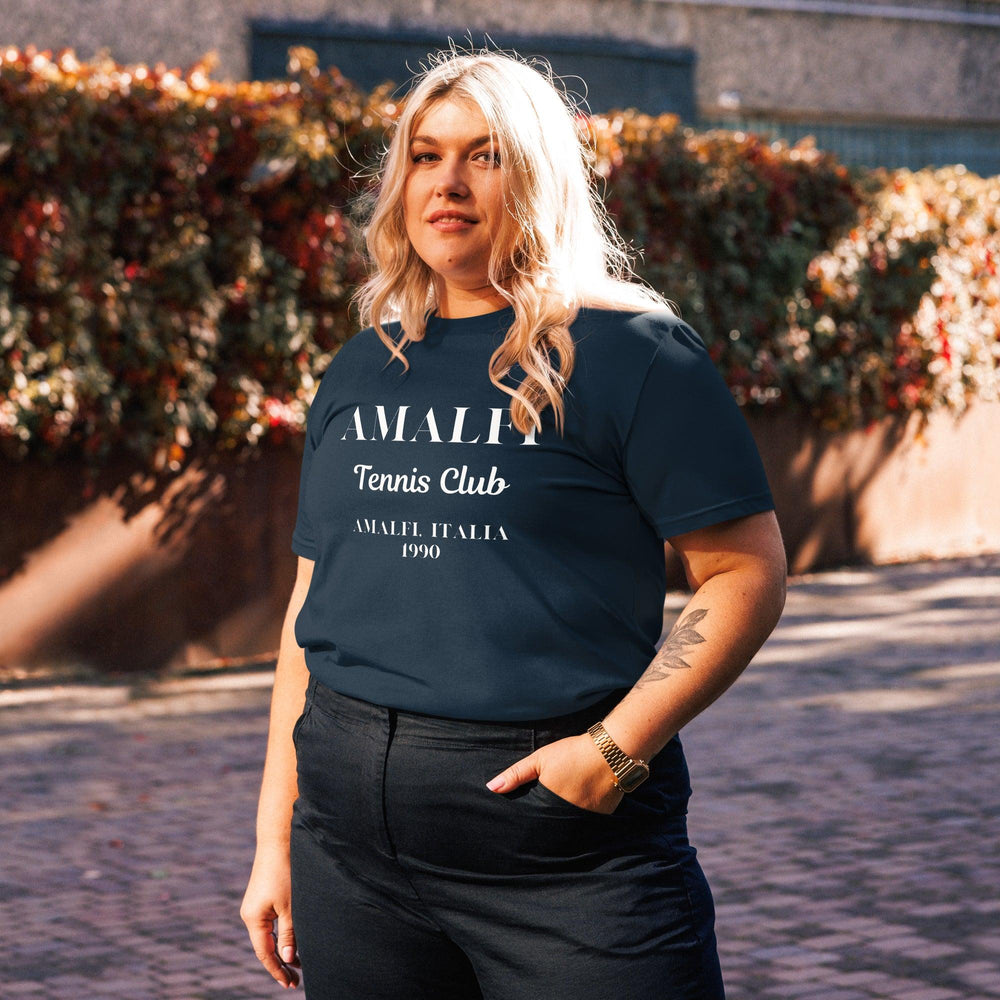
268 896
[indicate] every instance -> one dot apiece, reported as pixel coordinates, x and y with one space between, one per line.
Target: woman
474 785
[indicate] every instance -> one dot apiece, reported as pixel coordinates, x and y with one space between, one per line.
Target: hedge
176 255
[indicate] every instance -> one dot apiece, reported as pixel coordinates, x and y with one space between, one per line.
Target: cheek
497 208
412 231
498 215
411 204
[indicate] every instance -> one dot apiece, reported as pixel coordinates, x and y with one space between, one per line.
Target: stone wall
796 63
135 576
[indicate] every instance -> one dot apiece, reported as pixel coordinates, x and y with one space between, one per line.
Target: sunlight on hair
556 250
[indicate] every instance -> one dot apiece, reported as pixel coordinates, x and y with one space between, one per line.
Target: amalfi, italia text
438 529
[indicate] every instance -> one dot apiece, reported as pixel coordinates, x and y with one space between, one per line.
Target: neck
459 303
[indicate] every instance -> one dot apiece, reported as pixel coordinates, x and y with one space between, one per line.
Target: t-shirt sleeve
304 541
689 457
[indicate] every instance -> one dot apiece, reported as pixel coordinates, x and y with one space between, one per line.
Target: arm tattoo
669 657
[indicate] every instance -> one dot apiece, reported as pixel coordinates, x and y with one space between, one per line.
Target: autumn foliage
176 256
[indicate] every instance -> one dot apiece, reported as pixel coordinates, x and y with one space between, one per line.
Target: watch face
633 777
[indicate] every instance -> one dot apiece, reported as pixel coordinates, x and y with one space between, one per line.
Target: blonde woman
474 784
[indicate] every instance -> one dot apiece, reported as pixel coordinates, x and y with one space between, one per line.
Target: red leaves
156 301
183 256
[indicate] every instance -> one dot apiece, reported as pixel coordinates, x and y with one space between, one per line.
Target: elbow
779 589
771 565
763 579
772 573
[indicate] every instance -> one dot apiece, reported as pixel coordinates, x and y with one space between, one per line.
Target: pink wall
891 494
140 576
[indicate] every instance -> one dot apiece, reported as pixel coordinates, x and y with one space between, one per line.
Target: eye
419 157
493 157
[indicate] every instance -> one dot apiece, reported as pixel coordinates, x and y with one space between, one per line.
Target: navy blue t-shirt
467 570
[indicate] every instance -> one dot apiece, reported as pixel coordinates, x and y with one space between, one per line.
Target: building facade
894 82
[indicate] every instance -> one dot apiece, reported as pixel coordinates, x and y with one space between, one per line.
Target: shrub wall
176 256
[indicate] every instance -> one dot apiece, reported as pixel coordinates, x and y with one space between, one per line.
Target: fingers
286 943
519 772
260 928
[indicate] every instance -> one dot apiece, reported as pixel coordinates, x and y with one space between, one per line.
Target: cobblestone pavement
845 810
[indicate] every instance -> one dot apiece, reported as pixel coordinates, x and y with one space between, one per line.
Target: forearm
279 785
716 635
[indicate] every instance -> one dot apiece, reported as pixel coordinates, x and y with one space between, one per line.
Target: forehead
450 119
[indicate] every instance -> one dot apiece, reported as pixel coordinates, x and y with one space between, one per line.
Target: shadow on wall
145 574
818 478
140 572
893 492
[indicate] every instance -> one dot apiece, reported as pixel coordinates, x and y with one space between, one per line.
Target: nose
451 180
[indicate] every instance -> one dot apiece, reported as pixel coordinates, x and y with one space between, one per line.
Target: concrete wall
892 493
135 576
793 62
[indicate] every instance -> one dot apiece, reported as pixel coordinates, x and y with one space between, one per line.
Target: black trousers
411 879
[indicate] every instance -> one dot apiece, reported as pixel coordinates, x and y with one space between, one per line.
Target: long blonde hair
556 249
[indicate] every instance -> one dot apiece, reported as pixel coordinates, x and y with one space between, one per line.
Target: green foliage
176 257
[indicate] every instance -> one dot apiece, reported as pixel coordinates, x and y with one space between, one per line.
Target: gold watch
629 772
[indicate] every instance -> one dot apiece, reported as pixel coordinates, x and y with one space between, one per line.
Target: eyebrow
431 141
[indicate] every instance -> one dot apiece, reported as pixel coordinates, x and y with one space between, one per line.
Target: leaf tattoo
669 657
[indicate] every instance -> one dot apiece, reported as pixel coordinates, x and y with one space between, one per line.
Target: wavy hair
556 249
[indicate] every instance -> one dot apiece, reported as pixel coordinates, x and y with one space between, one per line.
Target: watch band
629 772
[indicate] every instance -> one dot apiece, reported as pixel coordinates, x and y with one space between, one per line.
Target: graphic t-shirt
467 570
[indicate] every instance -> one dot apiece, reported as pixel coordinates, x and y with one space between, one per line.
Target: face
453 200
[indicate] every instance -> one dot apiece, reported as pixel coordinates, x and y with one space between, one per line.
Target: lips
450 216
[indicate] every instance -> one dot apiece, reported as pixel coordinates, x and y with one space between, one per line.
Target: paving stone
844 811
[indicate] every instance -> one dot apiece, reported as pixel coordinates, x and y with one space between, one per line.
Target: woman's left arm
737 570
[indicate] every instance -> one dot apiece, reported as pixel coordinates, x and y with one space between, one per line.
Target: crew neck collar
484 321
